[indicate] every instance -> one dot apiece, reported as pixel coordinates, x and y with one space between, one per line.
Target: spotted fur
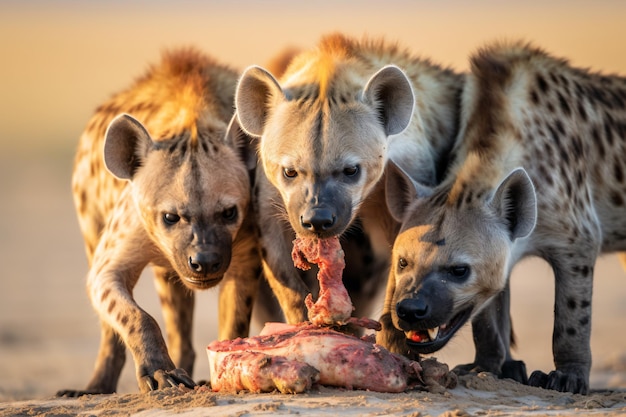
540 171
327 127
167 187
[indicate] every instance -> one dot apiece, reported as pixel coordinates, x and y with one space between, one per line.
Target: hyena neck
488 146
438 105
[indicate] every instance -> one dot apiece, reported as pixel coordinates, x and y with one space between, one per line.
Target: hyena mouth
431 340
202 283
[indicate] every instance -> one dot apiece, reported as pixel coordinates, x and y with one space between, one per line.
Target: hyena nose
318 220
412 310
205 263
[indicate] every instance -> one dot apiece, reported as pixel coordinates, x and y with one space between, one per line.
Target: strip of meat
333 305
342 360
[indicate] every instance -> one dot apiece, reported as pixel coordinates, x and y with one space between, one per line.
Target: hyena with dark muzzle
170 188
327 128
540 170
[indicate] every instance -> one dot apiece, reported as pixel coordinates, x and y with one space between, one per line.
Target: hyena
170 188
327 127
539 170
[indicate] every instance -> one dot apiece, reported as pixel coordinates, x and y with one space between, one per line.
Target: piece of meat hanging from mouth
333 305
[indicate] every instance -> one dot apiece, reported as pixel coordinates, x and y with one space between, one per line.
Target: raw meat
260 372
333 305
341 360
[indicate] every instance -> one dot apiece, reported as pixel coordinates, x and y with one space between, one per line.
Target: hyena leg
572 324
268 310
108 367
276 237
111 279
365 275
177 303
492 335
236 299
240 285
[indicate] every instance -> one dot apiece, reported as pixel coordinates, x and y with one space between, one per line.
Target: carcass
341 360
293 358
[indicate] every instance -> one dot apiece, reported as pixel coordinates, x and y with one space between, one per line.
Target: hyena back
170 188
540 171
327 128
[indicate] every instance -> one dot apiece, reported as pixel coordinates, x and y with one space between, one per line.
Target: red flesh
333 305
342 360
259 372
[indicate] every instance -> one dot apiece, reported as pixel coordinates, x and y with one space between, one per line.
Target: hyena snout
318 220
413 310
427 307
205 262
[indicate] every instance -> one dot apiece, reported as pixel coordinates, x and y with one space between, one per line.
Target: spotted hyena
327 127
540 170
166 187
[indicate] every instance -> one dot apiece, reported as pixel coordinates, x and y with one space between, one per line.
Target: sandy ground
67 58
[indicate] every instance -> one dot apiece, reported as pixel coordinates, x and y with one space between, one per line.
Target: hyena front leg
236 299
283 278
177 304
238 290
117 266
571 348
276 241
109 364
492 334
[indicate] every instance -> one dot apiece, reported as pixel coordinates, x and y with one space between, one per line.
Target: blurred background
60 59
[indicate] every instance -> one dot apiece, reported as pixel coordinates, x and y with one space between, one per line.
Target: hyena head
324 139
453 253
191 192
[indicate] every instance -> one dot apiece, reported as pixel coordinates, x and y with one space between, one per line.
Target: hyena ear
126 142
389 91
515 203
401 191
255 91
244 144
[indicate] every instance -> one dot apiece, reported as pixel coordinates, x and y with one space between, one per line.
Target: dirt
476 395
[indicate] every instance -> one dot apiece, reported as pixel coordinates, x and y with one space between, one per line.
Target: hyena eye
230 213
290 173
171 218
351 171
402 263
459 272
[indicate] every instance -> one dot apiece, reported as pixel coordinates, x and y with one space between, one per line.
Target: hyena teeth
433 333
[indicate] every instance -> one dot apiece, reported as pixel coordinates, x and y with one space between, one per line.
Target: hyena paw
515 370
164 379
572 381
469 368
